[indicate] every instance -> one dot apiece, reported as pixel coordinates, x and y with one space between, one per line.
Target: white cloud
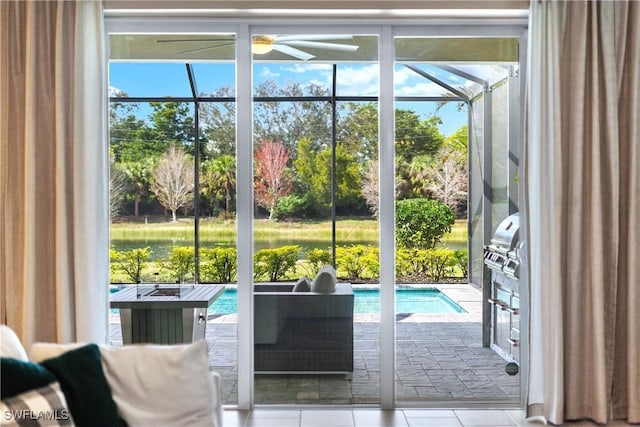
402 75
305 68
409 83
114 91
360 81
267 73
421 89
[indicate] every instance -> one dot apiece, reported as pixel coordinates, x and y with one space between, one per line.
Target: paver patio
438 358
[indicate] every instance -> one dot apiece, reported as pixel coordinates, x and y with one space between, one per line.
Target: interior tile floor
380 418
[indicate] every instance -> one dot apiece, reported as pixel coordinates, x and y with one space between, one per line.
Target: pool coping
467 296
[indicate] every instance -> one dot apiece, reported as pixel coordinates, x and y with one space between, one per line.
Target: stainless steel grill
502 257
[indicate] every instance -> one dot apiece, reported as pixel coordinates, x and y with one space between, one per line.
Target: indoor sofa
90 385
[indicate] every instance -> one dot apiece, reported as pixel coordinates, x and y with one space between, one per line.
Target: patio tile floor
438 358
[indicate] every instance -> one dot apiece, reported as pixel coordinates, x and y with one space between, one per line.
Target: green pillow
81 378
19 376
85 387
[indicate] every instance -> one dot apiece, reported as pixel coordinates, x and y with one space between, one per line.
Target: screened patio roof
453 68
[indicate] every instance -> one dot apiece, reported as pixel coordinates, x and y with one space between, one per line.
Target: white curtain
54 171
582 190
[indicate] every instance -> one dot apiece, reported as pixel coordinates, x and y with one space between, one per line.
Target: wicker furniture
303 332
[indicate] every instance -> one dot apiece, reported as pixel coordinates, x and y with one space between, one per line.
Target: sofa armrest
216 391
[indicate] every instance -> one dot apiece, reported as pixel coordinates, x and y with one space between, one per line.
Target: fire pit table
164 314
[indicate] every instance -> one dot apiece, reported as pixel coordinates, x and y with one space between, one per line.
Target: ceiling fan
263 44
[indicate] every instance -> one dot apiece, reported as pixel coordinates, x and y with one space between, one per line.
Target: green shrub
355 260
461 257
291 206
131 262
218 265
181 263
274 264
435 263
421 223
372 260
410 262
403 262
438 262
315 260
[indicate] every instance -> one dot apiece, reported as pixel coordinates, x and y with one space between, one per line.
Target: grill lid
507 234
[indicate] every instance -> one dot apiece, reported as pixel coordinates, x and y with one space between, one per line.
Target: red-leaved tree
271 179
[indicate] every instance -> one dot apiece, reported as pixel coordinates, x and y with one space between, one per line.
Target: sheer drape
54 182
582 160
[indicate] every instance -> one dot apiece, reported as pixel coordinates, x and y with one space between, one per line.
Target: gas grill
502 257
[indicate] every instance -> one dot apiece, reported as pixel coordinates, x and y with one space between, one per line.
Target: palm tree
220 177
139 176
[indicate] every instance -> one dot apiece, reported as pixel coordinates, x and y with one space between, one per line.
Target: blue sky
170 79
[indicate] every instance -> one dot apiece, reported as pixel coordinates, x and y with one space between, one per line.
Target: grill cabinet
502 257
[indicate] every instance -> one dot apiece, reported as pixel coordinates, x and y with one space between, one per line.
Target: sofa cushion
47 402
325 281
302 285
85 387
82 380
163 385
10 345
159 385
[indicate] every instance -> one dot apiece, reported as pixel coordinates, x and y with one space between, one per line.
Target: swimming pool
368 301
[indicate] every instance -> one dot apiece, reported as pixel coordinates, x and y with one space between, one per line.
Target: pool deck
439 358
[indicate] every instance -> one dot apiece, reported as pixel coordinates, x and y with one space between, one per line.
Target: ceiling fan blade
184 52
313 37
292 51
321 45
193 40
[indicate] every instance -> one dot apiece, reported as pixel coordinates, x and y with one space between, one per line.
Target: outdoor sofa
304 329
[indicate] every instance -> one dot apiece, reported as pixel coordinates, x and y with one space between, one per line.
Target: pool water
368 301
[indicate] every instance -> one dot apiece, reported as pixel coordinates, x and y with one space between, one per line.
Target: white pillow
163 385
40 351
156 385
325 281
302 285
10 345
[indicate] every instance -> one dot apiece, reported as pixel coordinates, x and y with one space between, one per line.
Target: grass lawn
164 234
348 229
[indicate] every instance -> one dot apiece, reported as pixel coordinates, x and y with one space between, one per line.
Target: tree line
152 159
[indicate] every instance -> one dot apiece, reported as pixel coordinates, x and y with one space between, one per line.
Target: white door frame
386 30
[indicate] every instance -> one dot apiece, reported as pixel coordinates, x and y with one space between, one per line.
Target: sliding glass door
386 152
315 148
453 100
172 147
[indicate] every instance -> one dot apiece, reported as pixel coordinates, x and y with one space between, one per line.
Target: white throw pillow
156 385
10 345
302 285
160 385
325 281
